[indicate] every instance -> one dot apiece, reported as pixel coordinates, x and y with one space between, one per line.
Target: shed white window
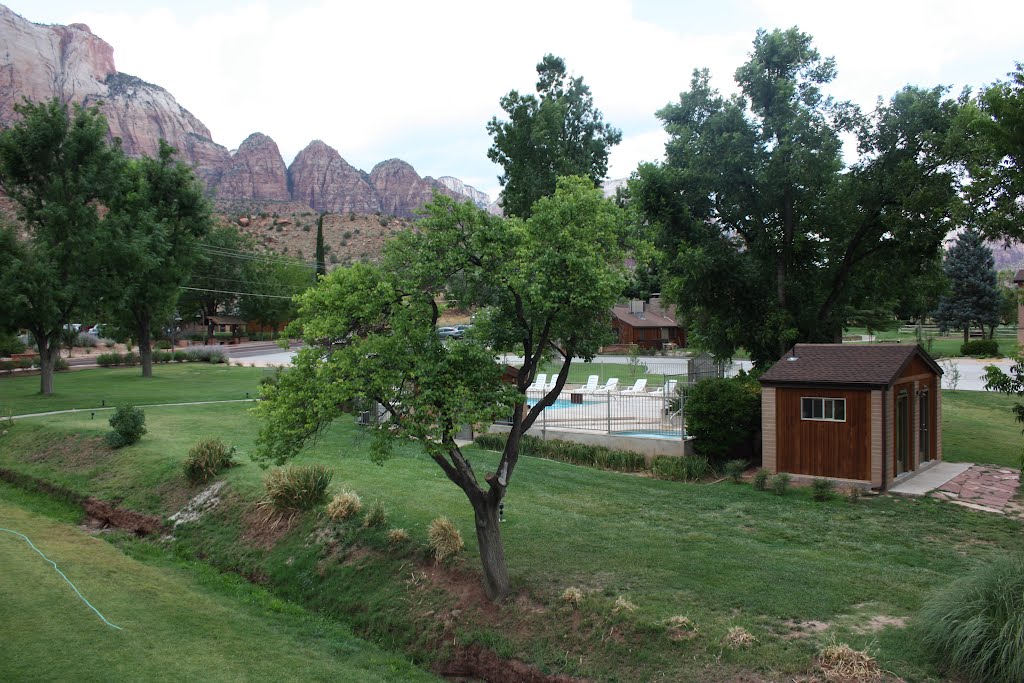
828 409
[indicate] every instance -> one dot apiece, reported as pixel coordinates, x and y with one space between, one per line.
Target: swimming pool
650 434
564 403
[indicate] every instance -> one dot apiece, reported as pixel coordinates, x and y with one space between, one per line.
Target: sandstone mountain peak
40 62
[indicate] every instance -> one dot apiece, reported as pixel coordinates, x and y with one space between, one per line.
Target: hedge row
199 354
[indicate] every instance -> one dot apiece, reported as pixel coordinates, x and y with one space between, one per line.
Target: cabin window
828 409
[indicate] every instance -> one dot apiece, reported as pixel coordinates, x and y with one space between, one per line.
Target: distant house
224 324
864 413
647 324
1018 280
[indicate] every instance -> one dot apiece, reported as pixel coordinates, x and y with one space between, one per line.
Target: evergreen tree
321 256
973 299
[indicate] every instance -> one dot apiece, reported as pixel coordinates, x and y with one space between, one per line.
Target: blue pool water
563 403
650 434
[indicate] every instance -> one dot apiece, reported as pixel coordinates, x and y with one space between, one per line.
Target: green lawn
179 621
939 347
979 427
94 387
723 555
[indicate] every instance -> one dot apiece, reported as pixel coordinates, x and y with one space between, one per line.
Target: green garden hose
32 545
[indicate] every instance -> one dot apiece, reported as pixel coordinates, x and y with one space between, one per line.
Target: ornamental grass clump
738 637
975 626
207 459
780 483
398 536
376 515
345 505
760 480
445 539
297 487
734 470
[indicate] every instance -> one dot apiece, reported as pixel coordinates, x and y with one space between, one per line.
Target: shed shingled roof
874 365
650 319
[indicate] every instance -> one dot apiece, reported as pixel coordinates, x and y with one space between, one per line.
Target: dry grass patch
398 536
680 628
572 596
840 663
623 605
445 539
738 637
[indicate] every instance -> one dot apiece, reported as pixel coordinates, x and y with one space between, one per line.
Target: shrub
376 515
398 536
761 479
686 468
984 348
780 483
105 360
343 506
129 424
975 626
10 344
853 494
179 356
567 451
734 469
162 356
207 459
822 489
216 357
163 344
85 341
445 539
724 415
223 336
130 358
297 487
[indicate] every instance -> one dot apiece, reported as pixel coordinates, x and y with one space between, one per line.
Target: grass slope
723 555
180 622
979 427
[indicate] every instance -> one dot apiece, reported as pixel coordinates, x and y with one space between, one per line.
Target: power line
222 291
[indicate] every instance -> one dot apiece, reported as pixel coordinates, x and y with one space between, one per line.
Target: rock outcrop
255 171
461 189
320 178
69 62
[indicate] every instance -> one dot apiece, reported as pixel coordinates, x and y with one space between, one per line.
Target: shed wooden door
902 436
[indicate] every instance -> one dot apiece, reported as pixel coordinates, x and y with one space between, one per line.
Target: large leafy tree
998 182
227 266
543 288
974 299
159 214
767 238
57 166
274 282
557 132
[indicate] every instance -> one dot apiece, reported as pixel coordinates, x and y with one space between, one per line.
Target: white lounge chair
589 387
612 385
538 384
667 390
639 387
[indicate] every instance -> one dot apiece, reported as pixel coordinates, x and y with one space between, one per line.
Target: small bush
162 356
10 344
376 516
853 495
761 480
85 341
179 356
982 348
164 344
724 414
106 360
129 424
345 505
975 626
734 469
780 483
297 487
130 359
398 536
445 539
207 459
822 489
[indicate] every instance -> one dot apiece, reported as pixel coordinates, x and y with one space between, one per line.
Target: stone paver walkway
984 487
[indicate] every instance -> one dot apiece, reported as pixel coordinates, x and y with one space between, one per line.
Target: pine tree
321 257
973 299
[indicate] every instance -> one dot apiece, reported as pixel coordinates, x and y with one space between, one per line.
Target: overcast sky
419 80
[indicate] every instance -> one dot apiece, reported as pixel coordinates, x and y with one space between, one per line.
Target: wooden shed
648 324
862 413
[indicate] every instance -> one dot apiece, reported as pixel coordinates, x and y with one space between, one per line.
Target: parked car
449 333
463 329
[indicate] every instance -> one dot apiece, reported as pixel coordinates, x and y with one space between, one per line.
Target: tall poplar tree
57 166
321 253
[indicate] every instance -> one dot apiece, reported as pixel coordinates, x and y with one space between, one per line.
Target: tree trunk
492 550
967 333
145 349
46 363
